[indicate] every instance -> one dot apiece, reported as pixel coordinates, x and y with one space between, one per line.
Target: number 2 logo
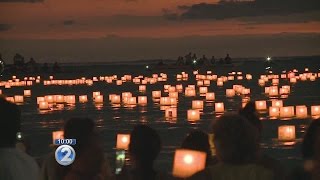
65 155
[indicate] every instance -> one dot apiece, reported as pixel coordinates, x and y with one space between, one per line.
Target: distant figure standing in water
213 60
228 59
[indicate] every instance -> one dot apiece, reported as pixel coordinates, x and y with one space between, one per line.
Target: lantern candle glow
123 141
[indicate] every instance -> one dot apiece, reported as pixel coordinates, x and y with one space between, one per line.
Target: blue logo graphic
65 155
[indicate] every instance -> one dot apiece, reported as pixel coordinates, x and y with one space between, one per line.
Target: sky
117 30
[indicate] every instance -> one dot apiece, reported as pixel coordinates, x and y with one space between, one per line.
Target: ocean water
38 126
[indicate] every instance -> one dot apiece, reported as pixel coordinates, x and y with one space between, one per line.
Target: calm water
38 126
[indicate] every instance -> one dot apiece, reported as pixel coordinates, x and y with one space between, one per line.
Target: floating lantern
210 96
123 141
249 76
96 93
197 104
174 94
275 82
142 100
219 107
142 88
179 87
219 83
18 99
98 99
172 89
286 133
132 101
206 82
39 99
261 82
230 92
116 99
171 113
156 94
57 135
273 91
193 115
274 112
59 98
261 105
71 99
199 83
165 101
188 162
315 110
26 93
286 112
293 80
119 82
230 78
203 90
10 99
277 103
301 112
49 98
83 98
189 92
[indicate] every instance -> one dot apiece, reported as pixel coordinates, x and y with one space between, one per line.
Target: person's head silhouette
10 123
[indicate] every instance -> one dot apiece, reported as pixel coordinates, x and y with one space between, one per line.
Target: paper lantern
274 112
26 93
261 82
210 96
203 90
277 103
57 135
156 94
173 101
119 82
171 112
96 93
275 81
49 98
230 93
188 162
301 112
193 115
39 99
172 89
286 133
142 100
199 83
132 101
142 88
206 82
83 98
123 141
249 76
273 91
189 92
174 94
116 99
261 105
197 104
315 110
179 87
286 112
293 80
219 83
98 99
165 101
219 107
18 99
70 99
59 98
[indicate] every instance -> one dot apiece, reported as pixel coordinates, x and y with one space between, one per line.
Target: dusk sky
112 30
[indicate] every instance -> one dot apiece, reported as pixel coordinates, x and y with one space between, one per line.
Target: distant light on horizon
268 58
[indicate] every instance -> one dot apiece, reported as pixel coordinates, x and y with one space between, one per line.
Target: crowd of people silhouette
236 139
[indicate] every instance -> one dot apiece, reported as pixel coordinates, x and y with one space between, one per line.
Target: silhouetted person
237 146
250 113
228 59
310 170
89 163
144 147
45 67
56 68
188 59
213 60
14 163
199 141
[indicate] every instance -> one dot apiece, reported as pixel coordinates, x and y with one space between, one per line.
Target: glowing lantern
142 100
273 91
219 83
26 93
57 135
219 107
59 98
10 99
156 94
18 99
188 162
197 104
293 80
174 94
249 76
96 93
210 96
275 81
230 92
123 141
274 112
83 98
171 113
286 112
199 83
189 92
142 88
301 112
172 89
98 99
116 99
119 82
286 133
193 115
261 82
70 99
49 98
203 90
179 87
315 110
261 105
206 82
39 99
132 101
277 103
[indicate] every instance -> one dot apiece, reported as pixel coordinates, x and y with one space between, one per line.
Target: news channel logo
65 155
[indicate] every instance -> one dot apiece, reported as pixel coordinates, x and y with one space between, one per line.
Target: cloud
23 1
236 9
68 22
5 27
